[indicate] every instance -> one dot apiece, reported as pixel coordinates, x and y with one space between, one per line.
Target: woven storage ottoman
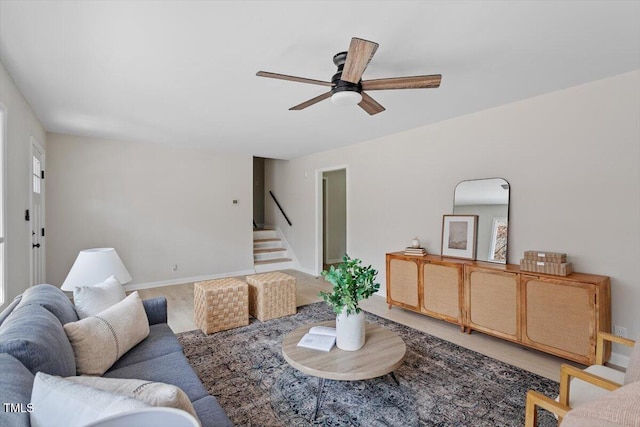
271 295
221 304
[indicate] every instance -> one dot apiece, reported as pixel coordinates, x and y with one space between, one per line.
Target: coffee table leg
394 378
320 387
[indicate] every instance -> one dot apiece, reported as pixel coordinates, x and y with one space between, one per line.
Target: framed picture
498 244
459 236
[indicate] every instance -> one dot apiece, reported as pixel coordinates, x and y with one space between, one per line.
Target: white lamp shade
94 266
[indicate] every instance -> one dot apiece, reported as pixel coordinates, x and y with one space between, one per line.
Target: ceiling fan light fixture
347 97
347 86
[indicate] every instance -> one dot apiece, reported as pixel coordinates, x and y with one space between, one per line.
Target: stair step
272 261
264 234
267 250
274 239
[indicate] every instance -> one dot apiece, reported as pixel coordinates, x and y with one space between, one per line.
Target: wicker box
271 295
545 256
555 268
221 304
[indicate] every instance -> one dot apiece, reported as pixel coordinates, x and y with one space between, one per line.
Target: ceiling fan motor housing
340 85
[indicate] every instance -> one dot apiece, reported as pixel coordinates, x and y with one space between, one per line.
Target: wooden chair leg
531 413
565 384
535 400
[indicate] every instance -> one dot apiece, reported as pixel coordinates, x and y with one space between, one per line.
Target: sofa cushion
151 393
9 309
90 300
156 309
100 340
211 413
172 368
34 336
53 299
15 387
159 342
57 401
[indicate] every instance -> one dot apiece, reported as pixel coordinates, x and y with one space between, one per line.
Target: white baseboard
619 360
138 286
307 271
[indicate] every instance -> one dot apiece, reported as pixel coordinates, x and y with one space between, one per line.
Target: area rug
441 384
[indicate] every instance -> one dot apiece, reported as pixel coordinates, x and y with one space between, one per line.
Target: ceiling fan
347 86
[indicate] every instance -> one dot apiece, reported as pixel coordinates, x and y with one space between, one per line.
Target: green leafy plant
351 283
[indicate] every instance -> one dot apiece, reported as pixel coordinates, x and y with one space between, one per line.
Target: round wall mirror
489 199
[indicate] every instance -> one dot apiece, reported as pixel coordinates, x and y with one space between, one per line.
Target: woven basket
271 295
555 268
221 304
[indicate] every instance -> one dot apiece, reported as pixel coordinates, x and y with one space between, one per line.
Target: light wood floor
180 313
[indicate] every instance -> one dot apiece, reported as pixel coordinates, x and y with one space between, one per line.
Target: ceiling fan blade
358 57
292 78
312 101
370 105
414 82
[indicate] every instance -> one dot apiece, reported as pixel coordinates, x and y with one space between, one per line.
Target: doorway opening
332 218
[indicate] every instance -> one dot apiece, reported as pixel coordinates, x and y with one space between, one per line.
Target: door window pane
36 175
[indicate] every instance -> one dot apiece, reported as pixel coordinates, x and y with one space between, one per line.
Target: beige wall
158 206
22 124
572 159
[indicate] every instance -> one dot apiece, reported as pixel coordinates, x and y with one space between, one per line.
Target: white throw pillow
152 393
57 401
149 417
90 300
100 340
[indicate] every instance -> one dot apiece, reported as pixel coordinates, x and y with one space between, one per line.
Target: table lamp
94 266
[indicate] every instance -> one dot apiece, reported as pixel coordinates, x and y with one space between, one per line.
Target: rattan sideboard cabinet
555 314
404 273
430 285
562 315
492 301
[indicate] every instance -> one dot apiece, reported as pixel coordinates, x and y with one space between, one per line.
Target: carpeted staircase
269 251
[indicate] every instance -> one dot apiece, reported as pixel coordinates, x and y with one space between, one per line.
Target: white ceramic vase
350 331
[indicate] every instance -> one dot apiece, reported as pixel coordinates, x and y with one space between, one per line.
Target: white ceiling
183 73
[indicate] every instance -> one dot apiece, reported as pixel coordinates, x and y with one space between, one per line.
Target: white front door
37 213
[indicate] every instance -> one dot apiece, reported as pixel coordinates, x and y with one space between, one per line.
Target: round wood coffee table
383 352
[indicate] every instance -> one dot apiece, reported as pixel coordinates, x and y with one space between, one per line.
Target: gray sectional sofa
32 339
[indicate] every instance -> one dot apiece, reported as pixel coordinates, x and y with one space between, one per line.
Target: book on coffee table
321 338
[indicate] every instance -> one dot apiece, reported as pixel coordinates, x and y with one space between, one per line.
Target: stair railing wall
280 207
